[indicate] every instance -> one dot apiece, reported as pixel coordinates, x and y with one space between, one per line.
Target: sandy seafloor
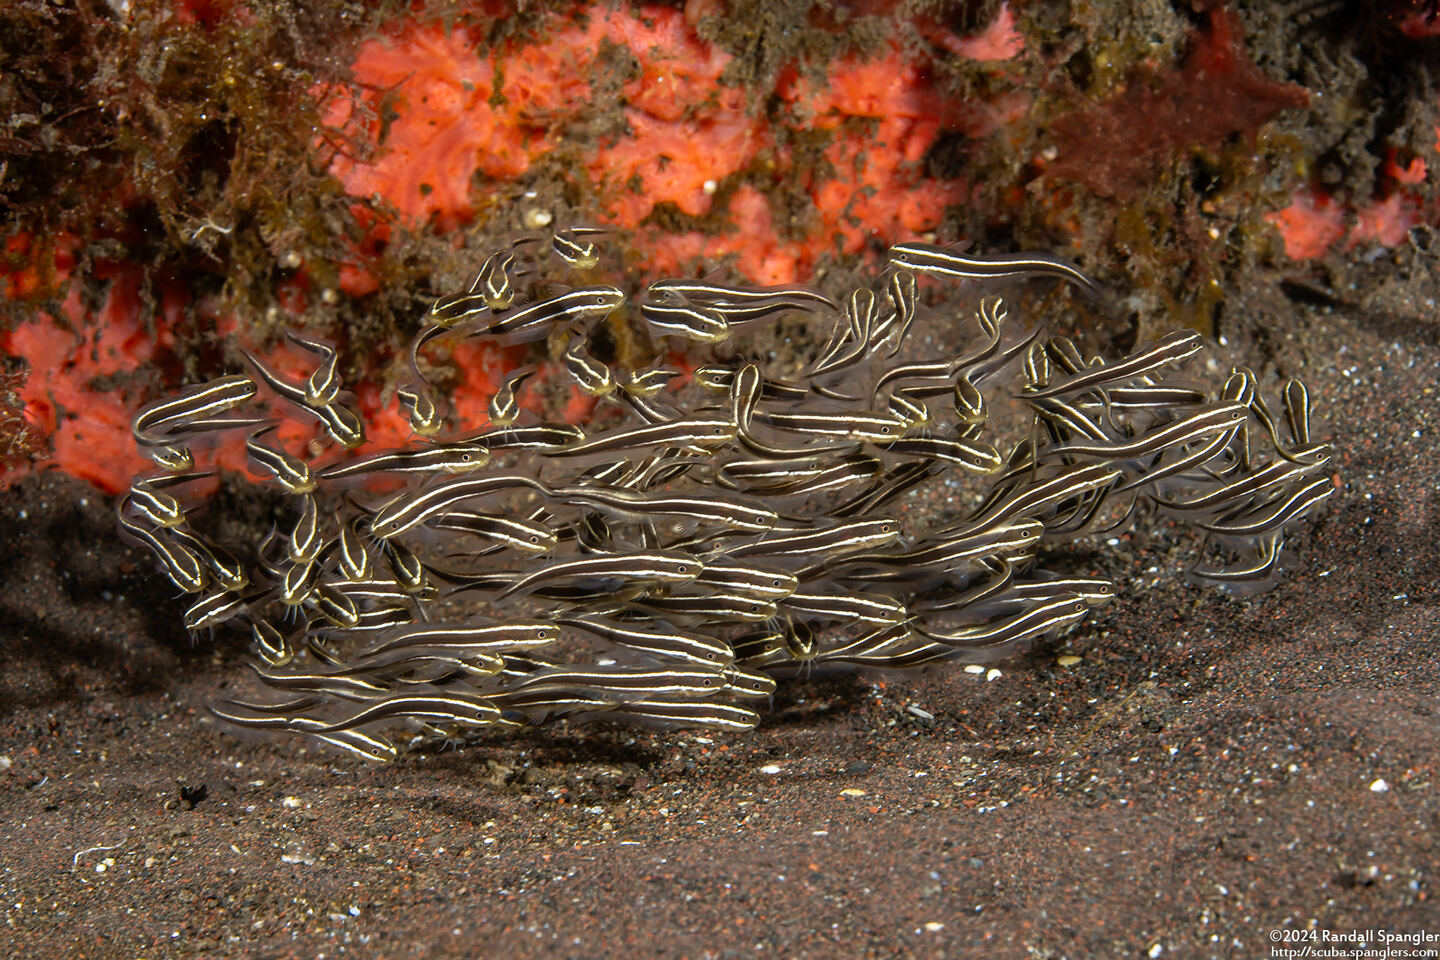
1209 772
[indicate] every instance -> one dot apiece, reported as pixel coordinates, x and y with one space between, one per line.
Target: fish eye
774 583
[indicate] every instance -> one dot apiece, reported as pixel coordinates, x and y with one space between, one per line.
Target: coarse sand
1183 775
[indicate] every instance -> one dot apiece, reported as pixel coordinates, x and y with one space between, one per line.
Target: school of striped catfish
703 534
